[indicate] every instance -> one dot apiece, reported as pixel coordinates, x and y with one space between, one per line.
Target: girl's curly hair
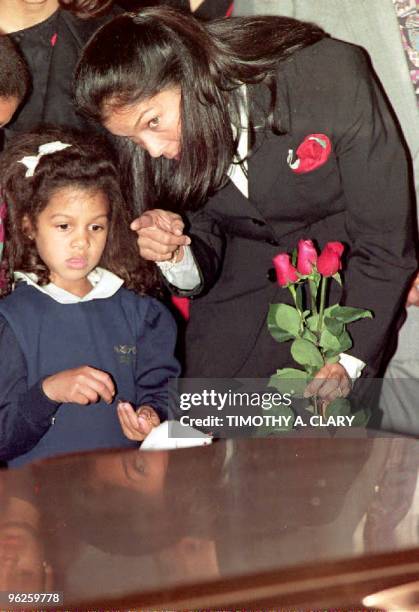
89 163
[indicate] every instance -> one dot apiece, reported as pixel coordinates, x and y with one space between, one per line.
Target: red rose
285 271
329 261
307 256
312 153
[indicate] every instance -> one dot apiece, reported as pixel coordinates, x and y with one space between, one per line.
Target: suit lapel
266 161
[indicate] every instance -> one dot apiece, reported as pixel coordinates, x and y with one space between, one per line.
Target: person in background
14 86
88 360
14 80
50 35
213 114
389 31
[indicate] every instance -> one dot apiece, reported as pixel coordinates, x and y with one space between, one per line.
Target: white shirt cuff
352 365
184 274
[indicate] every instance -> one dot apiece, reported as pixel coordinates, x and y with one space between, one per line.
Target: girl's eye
63 226
96 228
153 123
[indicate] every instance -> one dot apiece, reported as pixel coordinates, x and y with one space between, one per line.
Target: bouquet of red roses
317 331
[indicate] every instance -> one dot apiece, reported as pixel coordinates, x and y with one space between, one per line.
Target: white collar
104 285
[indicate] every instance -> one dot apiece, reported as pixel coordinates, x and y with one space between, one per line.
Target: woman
197 97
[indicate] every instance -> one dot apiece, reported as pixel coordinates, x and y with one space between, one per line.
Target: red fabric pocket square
312 153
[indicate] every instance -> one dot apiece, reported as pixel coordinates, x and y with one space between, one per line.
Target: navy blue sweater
130 337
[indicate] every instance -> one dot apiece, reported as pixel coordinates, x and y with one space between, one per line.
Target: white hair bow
31 161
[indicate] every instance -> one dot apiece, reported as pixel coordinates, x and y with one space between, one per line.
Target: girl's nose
81 240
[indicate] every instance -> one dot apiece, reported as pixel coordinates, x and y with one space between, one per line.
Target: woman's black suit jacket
360 196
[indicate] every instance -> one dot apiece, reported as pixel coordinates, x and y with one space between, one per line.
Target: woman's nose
152 146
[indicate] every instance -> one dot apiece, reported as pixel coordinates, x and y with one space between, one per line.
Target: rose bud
307 256
285 271
329 261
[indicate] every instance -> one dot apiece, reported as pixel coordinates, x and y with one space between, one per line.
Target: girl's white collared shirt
104 285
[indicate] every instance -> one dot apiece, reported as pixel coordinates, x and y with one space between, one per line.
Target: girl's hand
330 382
160 235
84 385
137 424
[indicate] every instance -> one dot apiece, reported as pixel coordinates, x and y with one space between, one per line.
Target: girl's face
70 236
153 124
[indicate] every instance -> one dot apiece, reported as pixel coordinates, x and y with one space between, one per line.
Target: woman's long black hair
87 164
136 56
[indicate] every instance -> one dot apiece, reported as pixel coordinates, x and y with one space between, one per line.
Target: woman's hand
84 385
330 382
160 235
413 295
137 424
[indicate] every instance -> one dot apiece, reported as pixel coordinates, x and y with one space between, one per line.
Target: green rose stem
314 311
322 305
300 312
312 286
320 327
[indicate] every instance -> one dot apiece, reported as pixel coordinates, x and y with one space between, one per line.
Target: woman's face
153 124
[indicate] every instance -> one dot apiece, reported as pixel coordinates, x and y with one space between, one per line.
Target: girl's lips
77 263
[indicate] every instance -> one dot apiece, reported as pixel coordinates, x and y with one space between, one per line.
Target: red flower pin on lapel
312 153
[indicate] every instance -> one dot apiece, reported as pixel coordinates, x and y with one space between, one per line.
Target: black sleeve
379 220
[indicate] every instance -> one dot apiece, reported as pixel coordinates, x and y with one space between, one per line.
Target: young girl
73 341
